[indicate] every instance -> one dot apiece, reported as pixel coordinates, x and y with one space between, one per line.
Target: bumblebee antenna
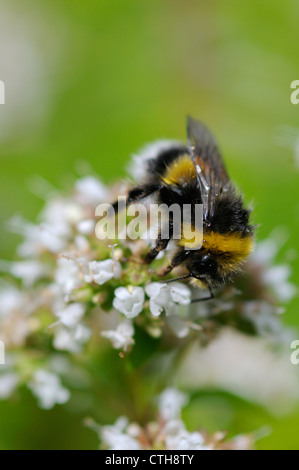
176 279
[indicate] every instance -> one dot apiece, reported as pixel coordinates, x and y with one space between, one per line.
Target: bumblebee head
219 258
204 268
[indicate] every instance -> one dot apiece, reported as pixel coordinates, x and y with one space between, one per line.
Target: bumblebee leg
136 194
178 259
161 244
204 298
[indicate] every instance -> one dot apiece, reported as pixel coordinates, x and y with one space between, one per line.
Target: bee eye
204 265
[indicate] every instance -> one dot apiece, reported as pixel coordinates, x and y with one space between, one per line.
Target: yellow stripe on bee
232 243
180 171
190 238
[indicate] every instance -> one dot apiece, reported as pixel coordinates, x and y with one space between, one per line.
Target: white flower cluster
63 272
163 298
47 388
168 433
275 277
66 280
8 383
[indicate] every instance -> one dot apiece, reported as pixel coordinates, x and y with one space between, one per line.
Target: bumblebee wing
210 170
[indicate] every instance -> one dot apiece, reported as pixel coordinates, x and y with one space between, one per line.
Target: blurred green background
94 81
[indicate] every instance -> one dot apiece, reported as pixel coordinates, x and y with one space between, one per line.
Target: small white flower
178 438
164 297
72 340
171 402
51 238
116 438
129 301
82 333
172 430
123 442
160 298
71 315
28 271
101 271
11 299
265 252
8 384
180 293
39 239
192 441
86 226
61 213
64 341
122 336
262 315
90 190
82 244
48 389
277 277
67 275
52 234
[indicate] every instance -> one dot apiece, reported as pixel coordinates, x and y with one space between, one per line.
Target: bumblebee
195 174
